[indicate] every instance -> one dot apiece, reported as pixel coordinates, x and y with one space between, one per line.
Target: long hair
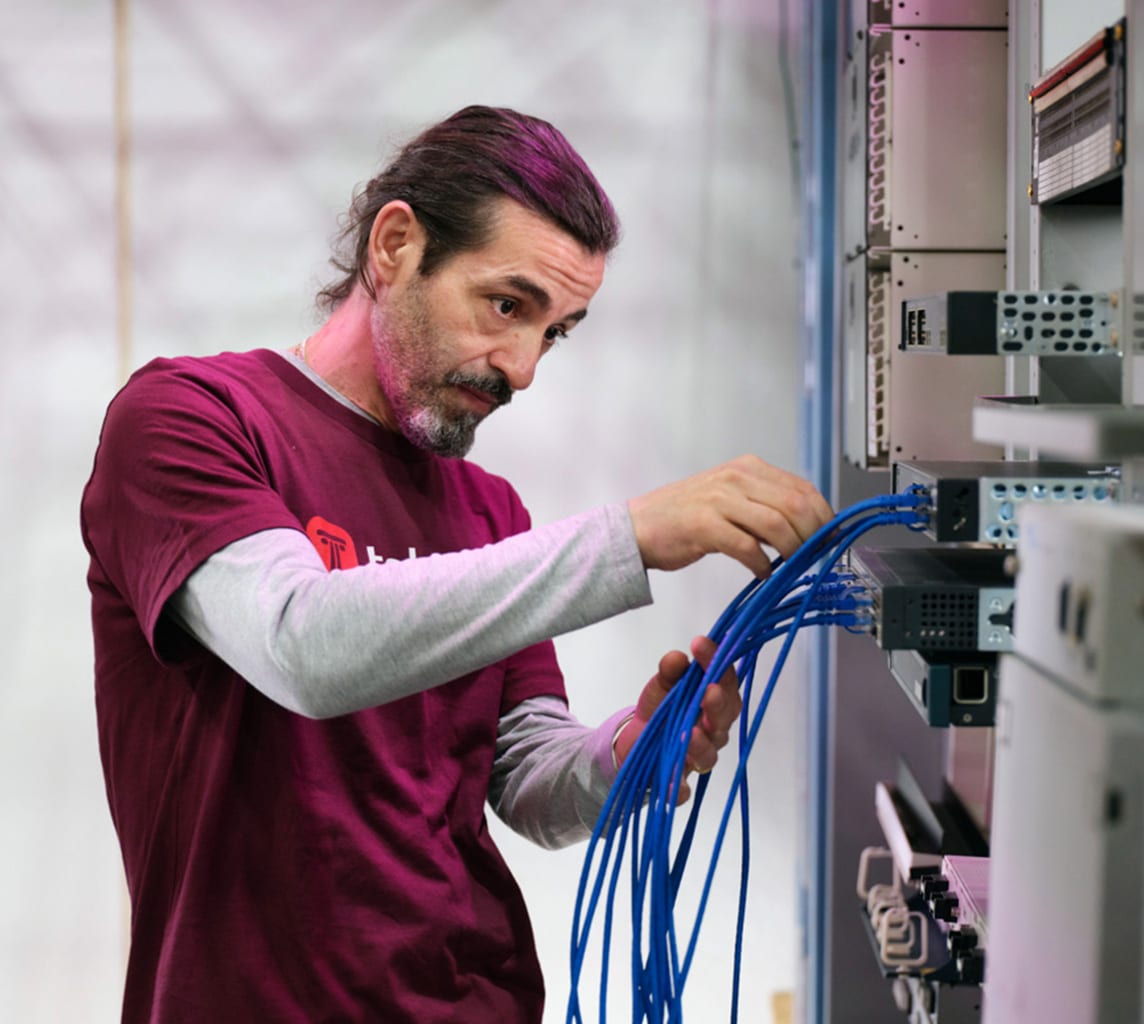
450 173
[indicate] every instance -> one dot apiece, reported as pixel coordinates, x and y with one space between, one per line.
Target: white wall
251 124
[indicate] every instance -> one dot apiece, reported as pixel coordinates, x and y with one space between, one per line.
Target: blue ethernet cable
638 816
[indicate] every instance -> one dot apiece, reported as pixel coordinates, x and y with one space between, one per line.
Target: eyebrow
540 296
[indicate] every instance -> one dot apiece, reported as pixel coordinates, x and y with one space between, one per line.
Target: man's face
452 347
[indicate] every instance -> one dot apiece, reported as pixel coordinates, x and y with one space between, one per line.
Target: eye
555 333
504 306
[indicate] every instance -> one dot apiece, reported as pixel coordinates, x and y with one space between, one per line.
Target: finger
746 551
734 509
802 503
746 526
731 532
796 500
670 670
781 519
718 711
702 753
703 651
722 702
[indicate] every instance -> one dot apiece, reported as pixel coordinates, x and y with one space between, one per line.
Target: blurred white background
251 122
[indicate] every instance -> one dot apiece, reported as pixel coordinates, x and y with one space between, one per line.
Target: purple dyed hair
449 175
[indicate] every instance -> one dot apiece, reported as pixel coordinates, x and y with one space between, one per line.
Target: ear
396 242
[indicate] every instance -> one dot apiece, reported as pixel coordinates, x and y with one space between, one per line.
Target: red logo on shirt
333 543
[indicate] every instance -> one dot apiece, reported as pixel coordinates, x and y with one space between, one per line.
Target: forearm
328 643
552 774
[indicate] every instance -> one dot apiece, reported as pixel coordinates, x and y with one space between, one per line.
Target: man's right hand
732 509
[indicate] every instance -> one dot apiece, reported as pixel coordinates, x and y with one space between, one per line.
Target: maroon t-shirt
283 869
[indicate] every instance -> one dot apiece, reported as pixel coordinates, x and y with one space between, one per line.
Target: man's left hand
718 710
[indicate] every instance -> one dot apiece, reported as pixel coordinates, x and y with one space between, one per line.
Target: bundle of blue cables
639 814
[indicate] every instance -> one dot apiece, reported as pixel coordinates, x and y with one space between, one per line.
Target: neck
341 352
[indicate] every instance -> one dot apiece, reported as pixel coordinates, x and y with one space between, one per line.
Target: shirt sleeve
328 643
552 773
177 476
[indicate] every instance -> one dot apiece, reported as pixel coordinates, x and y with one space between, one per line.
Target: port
961 509
915 327
970 684
1080 616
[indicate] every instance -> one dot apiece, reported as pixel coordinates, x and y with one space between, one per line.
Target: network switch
978 501
938 598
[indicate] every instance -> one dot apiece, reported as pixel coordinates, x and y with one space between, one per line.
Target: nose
516 357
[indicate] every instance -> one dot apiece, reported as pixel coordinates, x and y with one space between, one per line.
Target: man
323 637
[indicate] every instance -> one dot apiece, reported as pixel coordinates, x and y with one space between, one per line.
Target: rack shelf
1085 432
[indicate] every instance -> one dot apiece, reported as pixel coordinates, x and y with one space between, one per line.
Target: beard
408 349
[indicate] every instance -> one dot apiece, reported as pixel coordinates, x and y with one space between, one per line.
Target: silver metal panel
1073 321
996 608
946 176
931 397
1000 499
1081 247
1080 597
1030 323
1086 432
1065 855
943 13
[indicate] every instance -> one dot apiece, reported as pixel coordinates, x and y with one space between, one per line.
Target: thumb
671 669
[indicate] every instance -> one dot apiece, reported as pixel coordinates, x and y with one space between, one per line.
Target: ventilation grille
1054 323
946 621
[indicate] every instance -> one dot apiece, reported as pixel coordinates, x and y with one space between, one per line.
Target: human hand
732 509
718 710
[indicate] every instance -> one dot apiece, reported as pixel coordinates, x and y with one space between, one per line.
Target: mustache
495 385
